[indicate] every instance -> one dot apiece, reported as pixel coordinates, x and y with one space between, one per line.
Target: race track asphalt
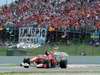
71 70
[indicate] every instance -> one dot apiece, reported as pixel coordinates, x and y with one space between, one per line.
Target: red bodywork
41 58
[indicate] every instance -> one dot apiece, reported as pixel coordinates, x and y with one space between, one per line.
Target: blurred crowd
75 14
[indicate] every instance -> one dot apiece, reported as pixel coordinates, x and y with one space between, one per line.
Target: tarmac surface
71 70
77 65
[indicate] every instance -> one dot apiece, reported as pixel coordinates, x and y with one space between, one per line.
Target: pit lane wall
71 59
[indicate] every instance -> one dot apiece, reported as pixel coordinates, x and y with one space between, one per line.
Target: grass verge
72 50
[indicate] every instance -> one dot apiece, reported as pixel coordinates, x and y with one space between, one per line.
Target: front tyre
25 63
26 66
26 60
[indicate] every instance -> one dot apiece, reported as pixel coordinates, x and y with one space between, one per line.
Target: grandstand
67 21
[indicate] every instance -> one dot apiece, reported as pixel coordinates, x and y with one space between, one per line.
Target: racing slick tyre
63 64
26 66
26 60
25 63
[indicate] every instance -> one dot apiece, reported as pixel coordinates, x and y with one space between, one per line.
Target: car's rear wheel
63 64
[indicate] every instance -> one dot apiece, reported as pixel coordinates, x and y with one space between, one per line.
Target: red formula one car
49 60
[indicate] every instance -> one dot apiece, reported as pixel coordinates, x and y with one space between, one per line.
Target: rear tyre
63 64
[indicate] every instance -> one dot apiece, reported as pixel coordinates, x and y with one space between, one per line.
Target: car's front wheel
25 63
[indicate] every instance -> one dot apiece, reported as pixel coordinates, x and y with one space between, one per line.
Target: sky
3 2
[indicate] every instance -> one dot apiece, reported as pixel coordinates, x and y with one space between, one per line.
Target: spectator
70 13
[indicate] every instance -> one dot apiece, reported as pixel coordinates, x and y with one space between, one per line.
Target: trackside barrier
71 59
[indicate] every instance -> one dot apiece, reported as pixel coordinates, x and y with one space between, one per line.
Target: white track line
83 65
